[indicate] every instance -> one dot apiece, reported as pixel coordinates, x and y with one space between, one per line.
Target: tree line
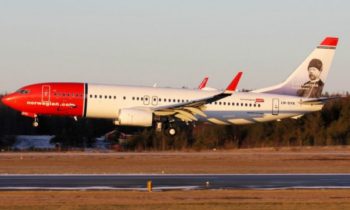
331 126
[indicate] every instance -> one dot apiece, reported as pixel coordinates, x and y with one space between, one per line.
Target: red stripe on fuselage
64 99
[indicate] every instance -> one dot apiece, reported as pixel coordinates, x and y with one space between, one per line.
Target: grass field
192 200
295 160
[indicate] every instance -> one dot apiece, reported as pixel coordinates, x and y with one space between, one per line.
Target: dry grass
292 160
218 199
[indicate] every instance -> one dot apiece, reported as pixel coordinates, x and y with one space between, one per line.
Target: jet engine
135 117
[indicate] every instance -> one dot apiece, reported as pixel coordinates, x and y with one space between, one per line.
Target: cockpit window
23 91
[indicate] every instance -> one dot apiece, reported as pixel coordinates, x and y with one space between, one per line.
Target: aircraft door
275 106
154 100
45 97
146 100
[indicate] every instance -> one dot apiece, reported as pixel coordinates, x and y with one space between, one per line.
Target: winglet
203 83
234 83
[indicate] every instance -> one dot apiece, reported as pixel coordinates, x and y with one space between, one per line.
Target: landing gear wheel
35 123
172 131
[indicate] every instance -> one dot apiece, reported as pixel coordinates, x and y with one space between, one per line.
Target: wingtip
203 83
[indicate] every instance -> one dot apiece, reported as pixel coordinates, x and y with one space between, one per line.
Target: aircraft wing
186 111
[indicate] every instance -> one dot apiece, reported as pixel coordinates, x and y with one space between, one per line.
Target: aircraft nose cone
7 100
3 100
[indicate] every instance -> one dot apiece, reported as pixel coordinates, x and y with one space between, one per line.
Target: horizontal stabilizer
321 100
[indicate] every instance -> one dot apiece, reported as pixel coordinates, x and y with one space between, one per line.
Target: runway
173 181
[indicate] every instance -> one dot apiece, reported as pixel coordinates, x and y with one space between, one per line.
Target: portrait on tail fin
313 88
309 78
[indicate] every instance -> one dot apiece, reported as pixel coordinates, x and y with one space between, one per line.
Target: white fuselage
105 101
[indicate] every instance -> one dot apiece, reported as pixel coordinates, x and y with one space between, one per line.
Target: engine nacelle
135 117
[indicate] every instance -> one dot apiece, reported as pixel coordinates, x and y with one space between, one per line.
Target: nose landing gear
32 115
36 122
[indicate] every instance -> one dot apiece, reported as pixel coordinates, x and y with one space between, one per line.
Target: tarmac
172 181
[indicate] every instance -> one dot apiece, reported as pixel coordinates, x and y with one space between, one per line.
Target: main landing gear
169 128
171 131
174 128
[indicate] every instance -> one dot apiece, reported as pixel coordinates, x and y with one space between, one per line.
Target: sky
171 43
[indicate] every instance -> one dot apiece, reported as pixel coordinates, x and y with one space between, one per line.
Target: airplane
157 107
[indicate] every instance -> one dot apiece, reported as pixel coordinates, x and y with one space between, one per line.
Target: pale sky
171 43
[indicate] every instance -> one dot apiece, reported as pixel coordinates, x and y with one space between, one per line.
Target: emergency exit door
45 93
275 106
